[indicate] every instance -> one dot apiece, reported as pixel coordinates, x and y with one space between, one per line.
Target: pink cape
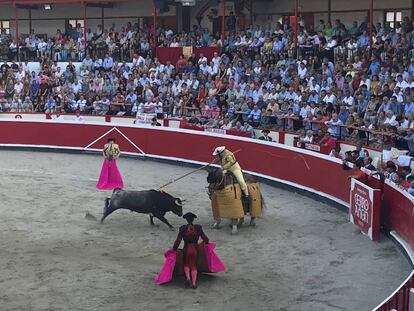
214 264
167 269
110 178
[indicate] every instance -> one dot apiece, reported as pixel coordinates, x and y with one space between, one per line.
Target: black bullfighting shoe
187 283
246 204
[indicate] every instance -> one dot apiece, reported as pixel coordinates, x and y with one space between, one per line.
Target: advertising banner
365 209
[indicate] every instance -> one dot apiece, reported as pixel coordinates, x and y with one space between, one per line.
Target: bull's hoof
89 216
234 230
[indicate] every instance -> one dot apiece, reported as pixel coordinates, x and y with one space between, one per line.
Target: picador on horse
228 199
229 164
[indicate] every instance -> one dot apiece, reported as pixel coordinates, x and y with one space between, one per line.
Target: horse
218 181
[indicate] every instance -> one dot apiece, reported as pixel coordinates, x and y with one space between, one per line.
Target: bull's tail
106 212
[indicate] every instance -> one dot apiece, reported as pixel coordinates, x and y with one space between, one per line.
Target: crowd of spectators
335 83
362 163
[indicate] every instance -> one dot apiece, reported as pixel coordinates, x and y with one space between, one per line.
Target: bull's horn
183 201
178 203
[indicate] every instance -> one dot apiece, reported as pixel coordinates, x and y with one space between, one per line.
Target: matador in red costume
190 233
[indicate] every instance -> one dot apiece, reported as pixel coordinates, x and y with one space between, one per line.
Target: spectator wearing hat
265 135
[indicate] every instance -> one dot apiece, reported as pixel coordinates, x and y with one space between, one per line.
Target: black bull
152 202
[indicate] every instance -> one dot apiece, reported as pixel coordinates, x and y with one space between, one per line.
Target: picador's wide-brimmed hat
219 150
189 216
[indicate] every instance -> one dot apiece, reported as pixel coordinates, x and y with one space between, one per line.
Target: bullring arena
303 255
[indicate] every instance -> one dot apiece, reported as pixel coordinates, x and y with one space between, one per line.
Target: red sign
365 209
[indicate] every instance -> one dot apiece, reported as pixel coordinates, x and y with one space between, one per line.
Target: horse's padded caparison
225 194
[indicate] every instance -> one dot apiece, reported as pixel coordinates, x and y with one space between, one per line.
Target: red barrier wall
301 168
277 161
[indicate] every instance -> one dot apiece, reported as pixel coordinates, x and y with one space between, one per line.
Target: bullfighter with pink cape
110 177
194 256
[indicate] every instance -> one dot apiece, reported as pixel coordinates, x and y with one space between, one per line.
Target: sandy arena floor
303 256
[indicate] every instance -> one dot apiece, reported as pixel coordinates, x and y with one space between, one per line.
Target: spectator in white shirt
334 125
390 118
366 81
18 87
304 109
20 74
402 84
314 86
329 97
216 60
302 70
76 86
309 137
348 99
78 117
202 59
58 117
81 103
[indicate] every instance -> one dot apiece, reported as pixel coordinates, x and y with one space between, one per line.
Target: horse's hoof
216 225
252 223
234 230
